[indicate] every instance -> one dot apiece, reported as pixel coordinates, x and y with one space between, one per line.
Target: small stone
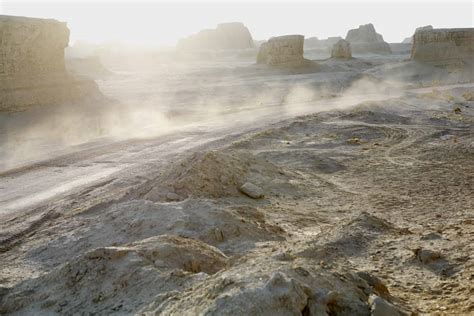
354 141
426 256
172 197
251 190
99 298
178 273
375 283
218 234
224 179
284 256
380 307
446 137
468 96
431 236
178 185
332 297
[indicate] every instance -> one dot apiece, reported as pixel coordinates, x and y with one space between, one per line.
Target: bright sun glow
162 24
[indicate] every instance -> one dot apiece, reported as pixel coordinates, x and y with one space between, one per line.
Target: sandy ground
367 209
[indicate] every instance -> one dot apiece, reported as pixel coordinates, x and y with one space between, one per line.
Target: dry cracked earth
366 211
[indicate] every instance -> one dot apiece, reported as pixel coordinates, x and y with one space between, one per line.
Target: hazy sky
163 23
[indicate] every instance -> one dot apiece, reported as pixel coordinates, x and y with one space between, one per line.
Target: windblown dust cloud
139 103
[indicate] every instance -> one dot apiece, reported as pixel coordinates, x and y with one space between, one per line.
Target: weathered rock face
366 40
341 50
32 46
32 68
443 46
226 36
282 50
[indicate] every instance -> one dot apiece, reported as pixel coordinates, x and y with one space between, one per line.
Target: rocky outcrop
365 40
32 46
227 36
443 46
32 68
341 50
282 50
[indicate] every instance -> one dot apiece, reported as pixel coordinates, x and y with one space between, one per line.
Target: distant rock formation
227 36
365 40
321 44
32 68
282 50
311 42
400 48
443 46
409 40
341 50
88 66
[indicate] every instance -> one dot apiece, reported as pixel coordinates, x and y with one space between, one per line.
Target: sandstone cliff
282 50
32 68
227 36
365 40
32 46
443 46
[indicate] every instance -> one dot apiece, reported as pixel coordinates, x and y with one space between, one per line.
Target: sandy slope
367 210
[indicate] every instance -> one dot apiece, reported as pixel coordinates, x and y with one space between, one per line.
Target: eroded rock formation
282 50
341 50
32 46
365 40
227 36
443 46
32 68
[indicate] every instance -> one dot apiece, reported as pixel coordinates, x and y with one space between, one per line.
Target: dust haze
255 159
173 104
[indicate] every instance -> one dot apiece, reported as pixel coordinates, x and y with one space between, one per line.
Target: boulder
427 256
282 50
32 67
443 46
365 40
341 50
251 190
227 36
